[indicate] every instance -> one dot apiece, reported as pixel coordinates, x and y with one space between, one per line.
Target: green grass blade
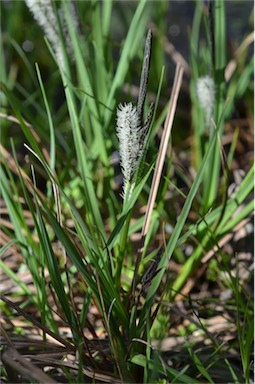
86 81
107 285
93 212
51 127
173 374
211 183
176 233
106 19
12 275
135 33
199 365
17 108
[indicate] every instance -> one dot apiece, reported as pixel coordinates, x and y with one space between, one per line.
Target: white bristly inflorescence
43 13
129 135
206 92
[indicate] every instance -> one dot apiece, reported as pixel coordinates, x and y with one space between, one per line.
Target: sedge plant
71 225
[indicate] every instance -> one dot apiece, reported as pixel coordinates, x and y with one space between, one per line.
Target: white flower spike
43 13
131 144
132 131
206 93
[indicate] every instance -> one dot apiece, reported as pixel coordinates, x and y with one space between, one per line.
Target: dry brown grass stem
15 362
36 323
32 130
159 164
163 147
231 67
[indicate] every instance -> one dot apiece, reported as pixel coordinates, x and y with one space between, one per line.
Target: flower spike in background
205 93
43 12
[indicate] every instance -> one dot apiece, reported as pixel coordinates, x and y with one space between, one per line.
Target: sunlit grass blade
211 184
107 11
101 75
87 83
198 253
20 228
93 213
197 117
135 34
177 231
174 375
107 284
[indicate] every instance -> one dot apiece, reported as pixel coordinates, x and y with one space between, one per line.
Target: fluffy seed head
205 93
129 132
43 13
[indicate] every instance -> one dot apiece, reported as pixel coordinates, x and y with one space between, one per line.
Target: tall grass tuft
123 202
